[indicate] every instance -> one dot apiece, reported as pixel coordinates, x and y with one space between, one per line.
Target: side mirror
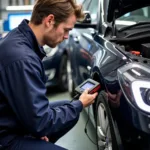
87 22
87 18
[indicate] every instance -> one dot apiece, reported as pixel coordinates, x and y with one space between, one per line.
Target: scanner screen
87 85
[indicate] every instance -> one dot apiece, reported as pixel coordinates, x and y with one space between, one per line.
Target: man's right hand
87 99
45 138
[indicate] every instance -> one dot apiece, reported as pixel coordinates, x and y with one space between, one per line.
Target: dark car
112 46
57 66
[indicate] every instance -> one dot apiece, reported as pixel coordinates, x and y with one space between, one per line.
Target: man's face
57 34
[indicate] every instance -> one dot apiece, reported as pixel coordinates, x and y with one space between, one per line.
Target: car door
82 43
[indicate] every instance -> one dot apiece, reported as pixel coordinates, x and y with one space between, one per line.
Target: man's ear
49 20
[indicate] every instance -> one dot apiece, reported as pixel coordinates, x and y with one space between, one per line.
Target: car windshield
139 15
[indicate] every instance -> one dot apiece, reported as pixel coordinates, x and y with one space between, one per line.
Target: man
27 119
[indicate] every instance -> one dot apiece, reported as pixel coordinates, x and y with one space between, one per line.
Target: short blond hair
61 9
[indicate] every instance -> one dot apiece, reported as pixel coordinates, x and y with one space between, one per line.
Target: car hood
122 7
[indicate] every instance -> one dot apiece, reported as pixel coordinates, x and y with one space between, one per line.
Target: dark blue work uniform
25 112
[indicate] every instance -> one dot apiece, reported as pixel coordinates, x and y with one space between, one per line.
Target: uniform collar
28 33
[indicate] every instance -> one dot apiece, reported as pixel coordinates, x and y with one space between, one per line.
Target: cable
85 129
75 97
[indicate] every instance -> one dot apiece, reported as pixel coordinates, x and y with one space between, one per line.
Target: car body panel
94 55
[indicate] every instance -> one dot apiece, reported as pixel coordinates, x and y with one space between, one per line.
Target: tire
106 138
63 79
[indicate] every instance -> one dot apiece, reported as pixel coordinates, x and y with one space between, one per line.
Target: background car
57 67
112 46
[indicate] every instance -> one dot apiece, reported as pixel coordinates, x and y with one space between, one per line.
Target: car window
86 4
93 8
142 14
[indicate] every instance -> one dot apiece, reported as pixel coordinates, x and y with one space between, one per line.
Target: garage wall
4 3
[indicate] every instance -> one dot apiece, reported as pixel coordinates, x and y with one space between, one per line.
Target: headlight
134 79
50 51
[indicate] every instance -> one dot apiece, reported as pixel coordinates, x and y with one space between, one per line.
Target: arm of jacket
26 94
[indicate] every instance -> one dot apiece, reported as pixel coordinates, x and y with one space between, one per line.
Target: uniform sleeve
26 94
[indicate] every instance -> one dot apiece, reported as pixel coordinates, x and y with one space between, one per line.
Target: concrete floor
76 139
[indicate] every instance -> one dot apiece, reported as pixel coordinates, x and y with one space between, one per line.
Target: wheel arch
96 75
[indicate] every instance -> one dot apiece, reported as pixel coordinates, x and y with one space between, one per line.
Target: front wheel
63 78
106 138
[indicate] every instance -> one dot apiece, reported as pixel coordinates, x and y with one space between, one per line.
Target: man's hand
45 138
87 99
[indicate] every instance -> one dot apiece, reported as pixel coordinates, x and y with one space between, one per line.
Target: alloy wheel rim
103 129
